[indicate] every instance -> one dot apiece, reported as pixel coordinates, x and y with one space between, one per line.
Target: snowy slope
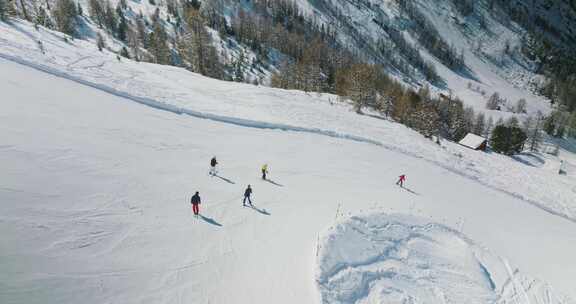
94 200
179 91
404 259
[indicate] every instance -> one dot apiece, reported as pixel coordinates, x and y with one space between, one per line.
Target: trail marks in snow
402 259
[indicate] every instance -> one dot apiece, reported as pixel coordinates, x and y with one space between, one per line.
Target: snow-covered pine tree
488 128
425 120
521 106
533 128
493 102
479 124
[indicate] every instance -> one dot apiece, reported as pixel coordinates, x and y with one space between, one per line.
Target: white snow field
404 259
97 171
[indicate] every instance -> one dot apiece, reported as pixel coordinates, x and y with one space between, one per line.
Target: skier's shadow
273 183
225 179
210 221
261 211
410 190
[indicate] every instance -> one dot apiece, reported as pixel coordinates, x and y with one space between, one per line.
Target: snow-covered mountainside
100 156
487 38
469 49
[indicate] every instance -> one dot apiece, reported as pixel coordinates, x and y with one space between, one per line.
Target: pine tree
493 102
42 18
122 24
3 10
512 122
239 65
110 18
508 139
65 16
521 106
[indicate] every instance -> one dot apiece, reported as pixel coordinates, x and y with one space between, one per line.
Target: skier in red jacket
401 180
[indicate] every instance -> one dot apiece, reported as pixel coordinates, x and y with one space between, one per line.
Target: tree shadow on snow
210 221
528 159
225 179
273 183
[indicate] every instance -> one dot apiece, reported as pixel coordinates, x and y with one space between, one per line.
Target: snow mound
403 259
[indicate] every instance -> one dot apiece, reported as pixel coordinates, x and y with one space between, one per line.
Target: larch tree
479 124
158 45
533 128
65 14
97 12
361 85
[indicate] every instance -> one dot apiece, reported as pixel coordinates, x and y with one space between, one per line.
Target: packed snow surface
384 258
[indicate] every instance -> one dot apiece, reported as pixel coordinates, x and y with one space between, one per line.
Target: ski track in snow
135 242
383 258
273 126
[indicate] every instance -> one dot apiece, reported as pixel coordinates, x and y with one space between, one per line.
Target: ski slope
178 91
94 200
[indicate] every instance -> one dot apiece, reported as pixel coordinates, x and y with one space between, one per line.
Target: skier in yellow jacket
264 171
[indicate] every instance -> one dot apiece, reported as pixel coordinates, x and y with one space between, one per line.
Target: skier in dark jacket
213 163
264 171
195 201
247 194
